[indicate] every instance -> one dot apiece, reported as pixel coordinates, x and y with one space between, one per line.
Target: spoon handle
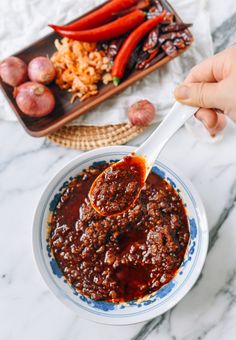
177 116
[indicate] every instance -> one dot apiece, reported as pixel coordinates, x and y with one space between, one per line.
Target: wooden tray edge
115 90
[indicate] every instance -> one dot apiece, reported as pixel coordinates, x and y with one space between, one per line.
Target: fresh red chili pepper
99 17
142 4
130 43
109 31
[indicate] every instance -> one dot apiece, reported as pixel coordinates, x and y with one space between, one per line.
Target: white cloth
22 22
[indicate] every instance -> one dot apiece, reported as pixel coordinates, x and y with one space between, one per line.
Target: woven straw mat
91 137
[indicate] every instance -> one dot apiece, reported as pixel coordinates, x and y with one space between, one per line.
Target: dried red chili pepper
142 64
134 57
168 36
143 55
173 35
169 18
154 49
179 43
114 47
158 6
102 45
151 40
99 17
109 31
187 38
159 56
170 49
175 27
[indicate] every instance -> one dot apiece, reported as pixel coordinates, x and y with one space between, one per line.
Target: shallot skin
34 99
13 71
41 70
141 113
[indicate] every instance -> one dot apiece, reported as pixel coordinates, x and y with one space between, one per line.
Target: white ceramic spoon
108 201
153 146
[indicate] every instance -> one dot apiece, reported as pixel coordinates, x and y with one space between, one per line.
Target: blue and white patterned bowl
133 311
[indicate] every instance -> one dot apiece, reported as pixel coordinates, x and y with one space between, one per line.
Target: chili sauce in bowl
125 268
124 257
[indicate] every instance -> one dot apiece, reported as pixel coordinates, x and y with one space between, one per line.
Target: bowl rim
101 318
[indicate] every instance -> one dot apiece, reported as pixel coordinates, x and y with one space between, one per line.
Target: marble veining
208 312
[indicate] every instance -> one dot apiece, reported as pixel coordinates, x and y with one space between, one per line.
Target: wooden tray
64 111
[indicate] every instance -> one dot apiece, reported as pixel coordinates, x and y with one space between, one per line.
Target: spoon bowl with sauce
117 188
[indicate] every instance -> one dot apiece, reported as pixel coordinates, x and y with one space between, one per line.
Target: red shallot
41 70
141 113
34 99
13 71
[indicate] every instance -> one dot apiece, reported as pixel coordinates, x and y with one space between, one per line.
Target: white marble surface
29 311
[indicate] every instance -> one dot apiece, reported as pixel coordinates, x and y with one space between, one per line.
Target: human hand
210 85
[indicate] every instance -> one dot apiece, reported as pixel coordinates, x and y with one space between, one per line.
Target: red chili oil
124 257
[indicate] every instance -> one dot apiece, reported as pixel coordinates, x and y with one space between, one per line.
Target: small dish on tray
132 311
65 111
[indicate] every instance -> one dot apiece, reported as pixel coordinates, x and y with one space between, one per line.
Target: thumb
207 95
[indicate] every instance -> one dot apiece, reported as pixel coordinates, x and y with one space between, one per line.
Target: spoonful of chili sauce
117 188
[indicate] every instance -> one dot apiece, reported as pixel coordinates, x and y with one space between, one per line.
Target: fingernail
182 92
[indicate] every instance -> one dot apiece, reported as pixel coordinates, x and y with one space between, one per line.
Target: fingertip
221 124
179 92
213 121
208 117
